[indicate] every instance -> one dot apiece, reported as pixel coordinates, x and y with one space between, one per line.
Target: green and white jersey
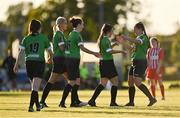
58 40
34 46
105 47
72 48
140 49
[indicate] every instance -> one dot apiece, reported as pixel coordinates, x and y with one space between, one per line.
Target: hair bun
72 19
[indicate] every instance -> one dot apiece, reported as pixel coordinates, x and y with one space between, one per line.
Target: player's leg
76 88
66 91
131 89
35 87
99 88
160 81
75 102
114 89
72 66
145 90
33 93
32 98
53 78
153 87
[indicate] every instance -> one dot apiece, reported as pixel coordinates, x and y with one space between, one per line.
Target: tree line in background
94 14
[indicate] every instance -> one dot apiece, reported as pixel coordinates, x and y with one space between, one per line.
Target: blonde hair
59 21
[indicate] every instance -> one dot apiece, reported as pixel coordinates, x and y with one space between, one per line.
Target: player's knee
72 82
130 83
78 81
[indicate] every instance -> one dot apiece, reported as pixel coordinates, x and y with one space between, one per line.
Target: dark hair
106 28
34 26
140 25
155 39
75 20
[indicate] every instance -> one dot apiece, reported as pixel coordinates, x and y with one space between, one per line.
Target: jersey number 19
34 47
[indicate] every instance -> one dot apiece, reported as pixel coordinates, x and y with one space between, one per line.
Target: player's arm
116 51
112 51
147 57
115 44
81 45
49 50
89 51
61 44
50 55
161 57
136 41
20 53
121 41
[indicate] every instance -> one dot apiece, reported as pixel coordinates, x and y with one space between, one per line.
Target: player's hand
158 70
15 69
98 55
119 39
49 61
124 37
124 52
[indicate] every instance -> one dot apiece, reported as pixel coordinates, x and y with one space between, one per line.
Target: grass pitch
15 105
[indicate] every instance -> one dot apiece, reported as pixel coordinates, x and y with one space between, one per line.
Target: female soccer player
139 64
58 57
59 66
155 56
34 45
106 65
74 44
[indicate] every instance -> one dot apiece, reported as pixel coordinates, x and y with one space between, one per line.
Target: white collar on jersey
140 35
105 36
61 31
74 29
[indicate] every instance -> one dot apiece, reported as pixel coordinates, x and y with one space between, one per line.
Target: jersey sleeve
140 38
161 54
22 44
60 40
107 45
80 40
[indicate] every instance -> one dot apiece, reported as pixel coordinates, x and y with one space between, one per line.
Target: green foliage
175 47
89 10
16 14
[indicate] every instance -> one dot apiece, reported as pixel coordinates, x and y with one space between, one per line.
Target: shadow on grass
143 113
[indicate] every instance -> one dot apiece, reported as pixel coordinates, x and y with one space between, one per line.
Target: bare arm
117 51
62 48
15 69
115 44
50 55
131 39
89 51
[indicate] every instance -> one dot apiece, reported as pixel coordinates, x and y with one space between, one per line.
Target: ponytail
54 28
99 38
140 25
144 30
104 30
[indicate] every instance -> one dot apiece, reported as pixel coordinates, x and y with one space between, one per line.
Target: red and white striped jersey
154 55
